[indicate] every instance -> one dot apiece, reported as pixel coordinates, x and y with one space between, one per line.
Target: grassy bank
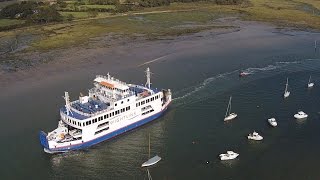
174 20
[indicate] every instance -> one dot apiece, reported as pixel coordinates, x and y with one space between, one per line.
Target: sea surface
191 134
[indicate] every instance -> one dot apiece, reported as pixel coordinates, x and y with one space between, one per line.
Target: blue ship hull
44 141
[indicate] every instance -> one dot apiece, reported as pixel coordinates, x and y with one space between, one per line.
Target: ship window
100 131
122 110
89 122
121 102
128 108
103 124
113 113
117 112
136 104
142 102
83 124
105 116
128 100
115 104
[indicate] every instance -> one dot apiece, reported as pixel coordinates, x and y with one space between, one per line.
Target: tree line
36 12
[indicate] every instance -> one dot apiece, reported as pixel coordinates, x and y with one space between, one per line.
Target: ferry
111 108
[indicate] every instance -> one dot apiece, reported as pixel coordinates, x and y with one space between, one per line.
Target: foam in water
221 81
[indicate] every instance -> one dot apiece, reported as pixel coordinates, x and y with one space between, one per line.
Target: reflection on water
231 163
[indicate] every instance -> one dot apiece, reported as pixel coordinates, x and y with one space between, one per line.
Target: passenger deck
90 107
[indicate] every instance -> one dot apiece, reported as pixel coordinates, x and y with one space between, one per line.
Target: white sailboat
310 84
151 161
229 115
286 92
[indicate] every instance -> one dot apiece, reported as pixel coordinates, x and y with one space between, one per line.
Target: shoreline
81 58
123 54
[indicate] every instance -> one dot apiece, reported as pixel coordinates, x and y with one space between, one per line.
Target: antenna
67 99
148 74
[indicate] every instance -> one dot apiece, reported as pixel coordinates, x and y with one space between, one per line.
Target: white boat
229 115
272 122
310 84
286 92
301 115
255 136
112 107
228 156
151 161
243 74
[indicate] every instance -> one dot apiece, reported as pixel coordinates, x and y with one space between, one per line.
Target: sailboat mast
309 79
227 110
149 145
286 86
149 175
230 104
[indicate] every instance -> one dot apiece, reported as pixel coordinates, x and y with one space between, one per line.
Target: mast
309 79
149 145
149 175
286 86
229 105
148 74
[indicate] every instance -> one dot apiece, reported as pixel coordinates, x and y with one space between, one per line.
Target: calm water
191 135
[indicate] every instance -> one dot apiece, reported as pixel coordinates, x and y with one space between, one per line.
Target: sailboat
151 161
229 115
286 92
310 84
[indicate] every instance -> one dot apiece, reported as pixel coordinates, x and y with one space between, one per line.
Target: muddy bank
115 52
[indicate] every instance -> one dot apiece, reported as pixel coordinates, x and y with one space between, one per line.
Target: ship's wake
225 81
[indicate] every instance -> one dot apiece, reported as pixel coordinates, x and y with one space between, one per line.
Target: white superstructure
111 108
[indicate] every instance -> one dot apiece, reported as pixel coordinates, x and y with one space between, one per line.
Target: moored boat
255 136
228 155
300 115
272 122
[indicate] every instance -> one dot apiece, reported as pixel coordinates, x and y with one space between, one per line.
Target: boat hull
230 117
108 136
297 116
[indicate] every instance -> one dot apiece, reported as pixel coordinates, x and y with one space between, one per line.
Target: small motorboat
272 122
243 74
255 136
228 156
300 115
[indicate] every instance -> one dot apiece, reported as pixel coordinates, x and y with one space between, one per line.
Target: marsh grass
190 17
